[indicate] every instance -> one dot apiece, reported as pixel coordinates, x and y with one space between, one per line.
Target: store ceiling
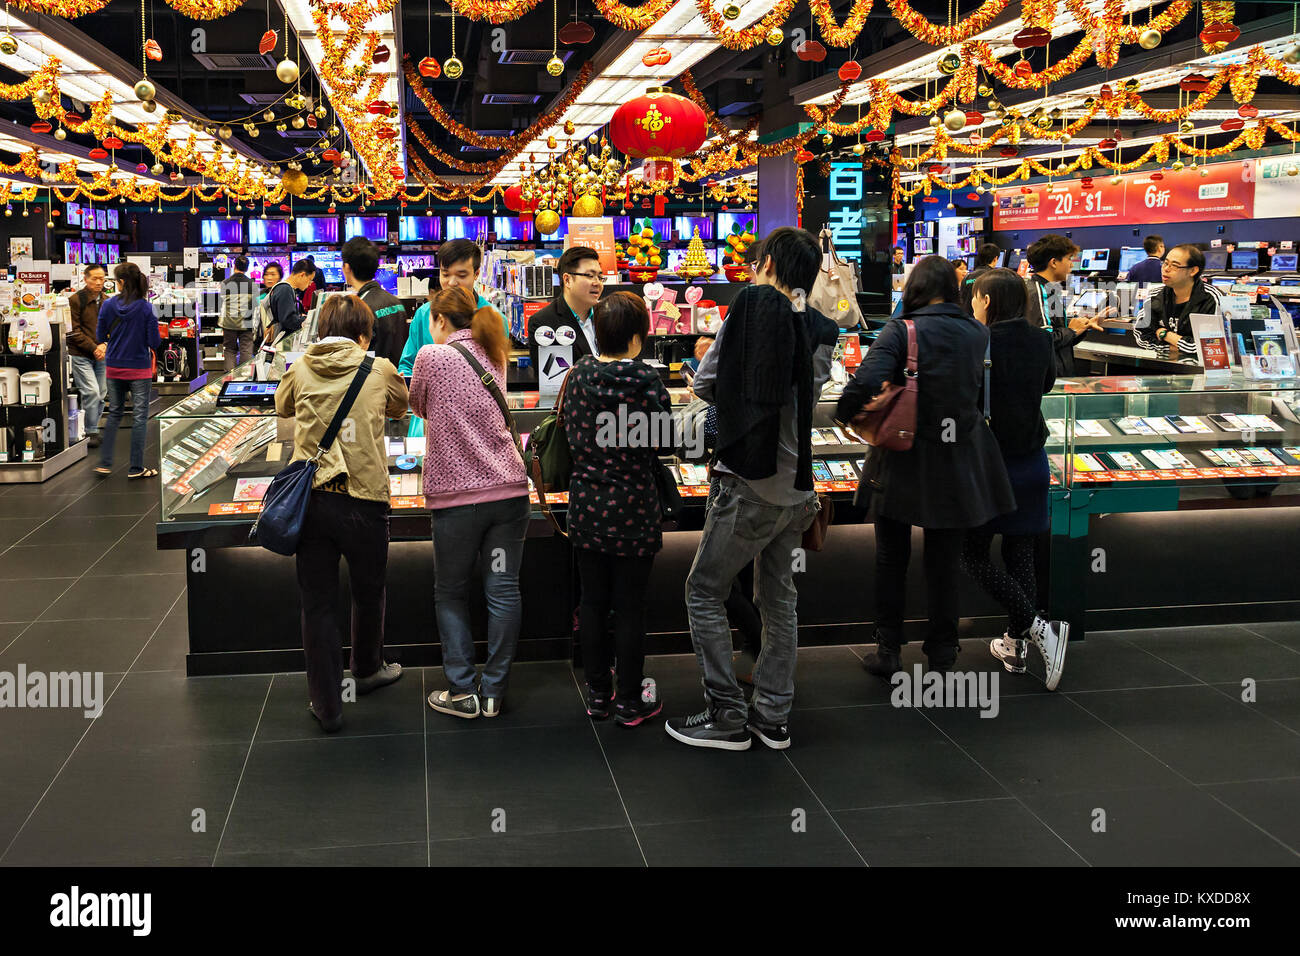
213 69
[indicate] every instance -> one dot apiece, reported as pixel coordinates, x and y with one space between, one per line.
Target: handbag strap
988 367
910 370
345 406
490 383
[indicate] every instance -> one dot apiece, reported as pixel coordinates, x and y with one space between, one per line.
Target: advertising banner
1277 187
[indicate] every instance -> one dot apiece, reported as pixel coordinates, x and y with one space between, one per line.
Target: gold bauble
280 127
1149 39
1116 180
995 104
297 122
551 142
60 134
254 131
731 11
547 222
981 189
156 169
775 36
8 44
1065 137
225 132
295 101
984 90
453 68
555 66
1186 126
149 106
827 139
294 182
949 64
322 112
1131 86
1292 55
286 71
41 97
569 127
954 120
144 90
1177 164
859 149
269 115
588 206
333 131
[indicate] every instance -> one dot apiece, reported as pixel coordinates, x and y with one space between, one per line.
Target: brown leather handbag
889 420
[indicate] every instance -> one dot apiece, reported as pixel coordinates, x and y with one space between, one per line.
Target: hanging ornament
577 33
41 126
8 45
286 71
269 116
569 127
332 131
1149 39
555 66
280 127
984 90
827 139
588 206
1186 126
152 50
849 71
1023 68
1247 111
949 64
774 36
156 169
659 56
453 68
382 54
431 68
954 120
1031 37
311 121
322 111
60 134
859 149
269 39
658 124
730 11
810 51
1292 55
935 122
225 132
297 122
547 222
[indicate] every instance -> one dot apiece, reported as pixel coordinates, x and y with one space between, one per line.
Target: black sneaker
776 736
885 662
721 730
629 713
455 705
599 703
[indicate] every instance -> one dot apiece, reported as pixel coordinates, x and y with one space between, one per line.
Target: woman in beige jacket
348 512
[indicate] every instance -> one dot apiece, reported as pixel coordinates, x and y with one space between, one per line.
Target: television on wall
268 232
412 264
257 264
73 214
101 252
318 229
220 232
111 218
509 229
330 262
101 219
467 227
419 228
72 251
374 228
114 252
387 276
686 225
748 222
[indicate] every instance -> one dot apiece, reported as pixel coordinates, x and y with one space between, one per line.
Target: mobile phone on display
820 471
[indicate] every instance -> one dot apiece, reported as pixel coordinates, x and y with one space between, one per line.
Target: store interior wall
1174 233
32 226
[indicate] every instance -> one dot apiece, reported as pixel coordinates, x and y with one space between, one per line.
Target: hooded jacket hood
333 359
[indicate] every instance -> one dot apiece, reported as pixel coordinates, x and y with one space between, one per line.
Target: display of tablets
1161 426
1190 424
1134 426
246 394
1090 428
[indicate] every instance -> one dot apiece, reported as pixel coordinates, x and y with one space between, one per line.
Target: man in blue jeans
85 353
760 375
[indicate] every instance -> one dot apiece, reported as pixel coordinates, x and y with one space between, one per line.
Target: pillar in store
776 193
852 200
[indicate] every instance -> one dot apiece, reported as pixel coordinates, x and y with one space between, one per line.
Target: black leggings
1016 586
615 584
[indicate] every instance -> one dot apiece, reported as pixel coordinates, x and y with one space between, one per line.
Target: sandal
147 473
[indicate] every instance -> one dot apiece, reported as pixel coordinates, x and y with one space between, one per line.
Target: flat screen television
1222 282
622 226
330 263
1014 259
686 225
101 252
1129 256
1283 262
257 265
419 228
748 223
387 275
317 229
101 219
1216 260
374 228
467 227
677 256
662 227
511 229
268 232
114 252
219 232
413 264
1245 259
72 251
73 214
111 218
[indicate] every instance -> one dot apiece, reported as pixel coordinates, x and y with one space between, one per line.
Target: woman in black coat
953 477
1024 369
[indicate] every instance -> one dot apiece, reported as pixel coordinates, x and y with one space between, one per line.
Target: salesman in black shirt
360 263
1166 320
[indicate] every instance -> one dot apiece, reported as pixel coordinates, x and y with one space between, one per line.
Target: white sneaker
1052 638
1010 653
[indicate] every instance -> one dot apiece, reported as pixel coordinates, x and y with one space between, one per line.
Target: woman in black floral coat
617 416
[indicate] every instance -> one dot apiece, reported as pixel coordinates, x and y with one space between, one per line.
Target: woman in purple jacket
477 492
129 327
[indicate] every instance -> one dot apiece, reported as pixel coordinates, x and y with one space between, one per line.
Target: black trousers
1015 587
942 564
337 526
615 584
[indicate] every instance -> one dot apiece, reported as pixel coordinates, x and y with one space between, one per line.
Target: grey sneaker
1010 653
720 729
457 705
380 678
1052 638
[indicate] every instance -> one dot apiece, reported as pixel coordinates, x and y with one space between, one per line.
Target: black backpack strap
345 406
490 383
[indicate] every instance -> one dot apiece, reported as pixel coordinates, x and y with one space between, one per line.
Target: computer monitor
1283 262
318 229
1222 282
1129 256
1216 260
1094 260
1002 260
1247 259
1013 259
268 232
1289 281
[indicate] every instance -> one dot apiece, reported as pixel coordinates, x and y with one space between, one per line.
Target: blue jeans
88 376
493 533
739 528
118 389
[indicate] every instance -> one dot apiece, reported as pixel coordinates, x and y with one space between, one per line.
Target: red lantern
1194 83
99 153
1248 110
430 67
514 198
267 43
1108 143
1024 69
41 126
874 136
577 32
657 124
152 50
1220 33
1232 125
141 168
656 57
1031 36
112 143
811 52
849 72
382 54
330 155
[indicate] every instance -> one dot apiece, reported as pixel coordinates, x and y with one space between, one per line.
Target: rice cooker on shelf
9 378
36 388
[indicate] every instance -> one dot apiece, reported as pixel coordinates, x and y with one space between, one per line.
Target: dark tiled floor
1175 747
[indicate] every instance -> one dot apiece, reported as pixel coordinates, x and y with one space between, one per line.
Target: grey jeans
739 528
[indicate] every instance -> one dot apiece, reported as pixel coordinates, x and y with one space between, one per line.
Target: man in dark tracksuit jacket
360 263
1166 321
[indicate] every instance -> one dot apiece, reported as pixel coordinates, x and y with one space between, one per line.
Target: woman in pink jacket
477 492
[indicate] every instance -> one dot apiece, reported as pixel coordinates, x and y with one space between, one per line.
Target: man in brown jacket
86 355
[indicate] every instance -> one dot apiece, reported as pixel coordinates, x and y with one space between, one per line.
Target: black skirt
1030 480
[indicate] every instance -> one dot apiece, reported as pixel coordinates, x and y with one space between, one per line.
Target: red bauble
576 32
99 153
1194 83
141 168
1220 33
1024 68
874 136
849 72
1232 125
430 67
267 43
330 155
152 50
113 142
812 52
1248 110
658 124
1031 36
41 126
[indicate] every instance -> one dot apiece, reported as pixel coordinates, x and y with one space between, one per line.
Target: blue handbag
284 508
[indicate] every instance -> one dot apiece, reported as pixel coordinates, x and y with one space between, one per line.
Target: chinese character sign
844 218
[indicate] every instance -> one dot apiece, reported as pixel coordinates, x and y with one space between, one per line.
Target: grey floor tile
26 562
144 596
109 646
78 529
1269 804
806 836
1278 699
606 846
395 709
1218 653
1281 632
1109 662
1198 732
30 600
388 854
